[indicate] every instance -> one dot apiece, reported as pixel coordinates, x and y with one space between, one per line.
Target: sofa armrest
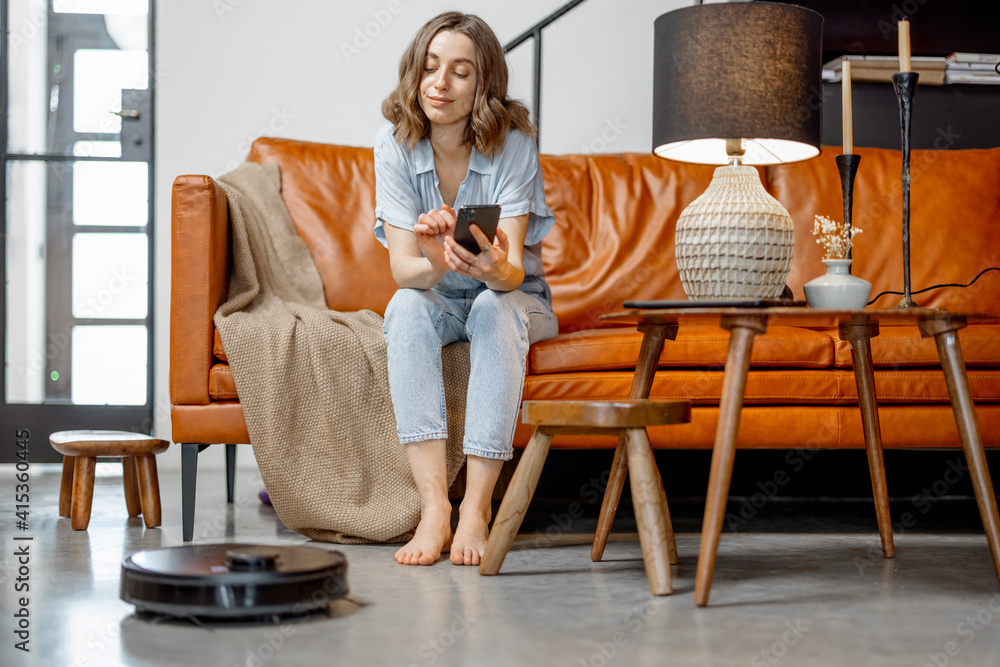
199 283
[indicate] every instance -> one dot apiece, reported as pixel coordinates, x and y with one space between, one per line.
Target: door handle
127 113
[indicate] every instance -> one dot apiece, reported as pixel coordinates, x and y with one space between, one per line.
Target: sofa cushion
221 385
696 346
894 347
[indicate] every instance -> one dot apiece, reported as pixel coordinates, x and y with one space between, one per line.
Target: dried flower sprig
834 237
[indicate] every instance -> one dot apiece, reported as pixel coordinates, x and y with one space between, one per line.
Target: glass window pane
27 356
28 76
101 6
98 148
109 276
99 77
109 365
45 89
110 193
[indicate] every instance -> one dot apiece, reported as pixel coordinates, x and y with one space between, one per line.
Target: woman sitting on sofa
456 139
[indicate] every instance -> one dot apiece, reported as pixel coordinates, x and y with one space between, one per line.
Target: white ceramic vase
838 289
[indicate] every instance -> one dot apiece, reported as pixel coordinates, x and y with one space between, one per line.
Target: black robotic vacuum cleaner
233 583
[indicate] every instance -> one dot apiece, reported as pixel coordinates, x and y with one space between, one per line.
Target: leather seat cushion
764 387
613 348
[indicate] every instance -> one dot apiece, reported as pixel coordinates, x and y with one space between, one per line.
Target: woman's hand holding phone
431 230
490 265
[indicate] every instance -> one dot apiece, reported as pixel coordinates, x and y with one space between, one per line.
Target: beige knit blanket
313 382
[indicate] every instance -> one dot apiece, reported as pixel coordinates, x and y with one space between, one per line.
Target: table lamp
736 84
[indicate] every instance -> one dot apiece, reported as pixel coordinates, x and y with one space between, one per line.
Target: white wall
229 71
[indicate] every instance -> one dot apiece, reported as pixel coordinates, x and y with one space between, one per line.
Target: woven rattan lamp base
735 241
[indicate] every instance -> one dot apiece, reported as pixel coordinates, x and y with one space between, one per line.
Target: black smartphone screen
486 217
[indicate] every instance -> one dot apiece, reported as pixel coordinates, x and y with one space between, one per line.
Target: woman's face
448 87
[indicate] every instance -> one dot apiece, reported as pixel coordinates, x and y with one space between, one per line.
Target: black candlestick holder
905 84
847 165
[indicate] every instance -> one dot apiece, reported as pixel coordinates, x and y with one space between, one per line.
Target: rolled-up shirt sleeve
396 199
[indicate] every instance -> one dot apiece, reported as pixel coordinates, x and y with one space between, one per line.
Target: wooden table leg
953 364
653 336
131 484
515 502
742 330
648 505
859 334
149 489
83 491
671 540
66 488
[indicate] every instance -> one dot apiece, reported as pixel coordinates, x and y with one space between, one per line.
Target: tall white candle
847 114
904 46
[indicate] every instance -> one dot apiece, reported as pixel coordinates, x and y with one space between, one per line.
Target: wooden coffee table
856 326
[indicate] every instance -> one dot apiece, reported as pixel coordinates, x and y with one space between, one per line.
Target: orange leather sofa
613 241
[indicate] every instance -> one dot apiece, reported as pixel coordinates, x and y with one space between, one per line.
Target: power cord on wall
926 289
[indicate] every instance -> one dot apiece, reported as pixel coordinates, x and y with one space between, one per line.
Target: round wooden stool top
625 413
106 443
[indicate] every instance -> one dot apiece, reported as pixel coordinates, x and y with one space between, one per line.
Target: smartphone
486 217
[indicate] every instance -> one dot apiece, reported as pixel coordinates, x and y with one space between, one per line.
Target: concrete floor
779 598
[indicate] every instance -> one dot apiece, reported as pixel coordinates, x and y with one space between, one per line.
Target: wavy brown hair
493 113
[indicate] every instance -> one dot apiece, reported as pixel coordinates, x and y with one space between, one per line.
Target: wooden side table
856 326
80 450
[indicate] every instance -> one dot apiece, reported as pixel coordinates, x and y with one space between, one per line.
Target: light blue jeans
499 326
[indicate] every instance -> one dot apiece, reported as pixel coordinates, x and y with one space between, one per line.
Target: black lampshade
748 70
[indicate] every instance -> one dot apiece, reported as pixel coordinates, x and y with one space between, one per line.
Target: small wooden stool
628 418
80 450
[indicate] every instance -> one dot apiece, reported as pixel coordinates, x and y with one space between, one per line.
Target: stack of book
972 68
881 68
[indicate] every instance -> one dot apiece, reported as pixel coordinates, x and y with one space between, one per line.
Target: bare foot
470 538
433 535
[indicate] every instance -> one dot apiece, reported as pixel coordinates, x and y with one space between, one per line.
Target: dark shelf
953 117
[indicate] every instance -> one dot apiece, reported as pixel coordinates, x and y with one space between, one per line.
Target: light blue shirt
406 185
